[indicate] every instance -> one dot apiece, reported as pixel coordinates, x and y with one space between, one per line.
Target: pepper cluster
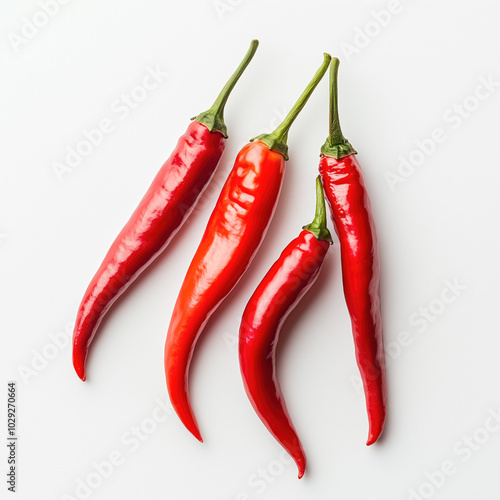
233 235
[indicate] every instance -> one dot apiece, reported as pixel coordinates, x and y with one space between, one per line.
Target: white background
438 226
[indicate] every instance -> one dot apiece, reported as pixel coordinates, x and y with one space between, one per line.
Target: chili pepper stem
336 144
213 118
277 140
318 225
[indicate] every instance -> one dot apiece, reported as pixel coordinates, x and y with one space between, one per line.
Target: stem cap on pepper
277 140
318 225
336 145
213 118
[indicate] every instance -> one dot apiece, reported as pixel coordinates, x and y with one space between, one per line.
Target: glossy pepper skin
352 216
233 235
161 212
282 288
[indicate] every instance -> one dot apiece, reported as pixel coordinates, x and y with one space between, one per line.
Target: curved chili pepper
288 280
165 206
352 216
233 235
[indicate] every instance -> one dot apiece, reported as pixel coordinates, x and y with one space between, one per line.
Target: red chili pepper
233 235
165 206
351 214
288 280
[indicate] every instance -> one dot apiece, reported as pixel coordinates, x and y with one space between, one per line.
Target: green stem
318 225
336 145
213 119
277 140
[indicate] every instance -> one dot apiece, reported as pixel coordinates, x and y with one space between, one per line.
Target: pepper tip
301 465
80 371
196 433
375 430
372 438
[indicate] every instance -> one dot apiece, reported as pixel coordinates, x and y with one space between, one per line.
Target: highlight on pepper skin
281 289
233 235
351 214
160 214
